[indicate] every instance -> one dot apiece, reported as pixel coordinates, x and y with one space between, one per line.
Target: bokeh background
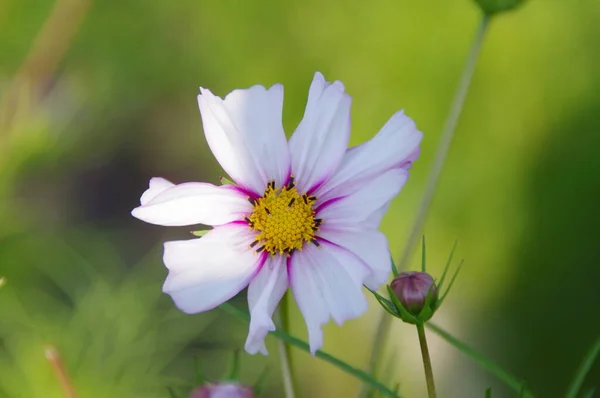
99 96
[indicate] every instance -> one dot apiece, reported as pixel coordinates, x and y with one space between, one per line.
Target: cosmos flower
303 214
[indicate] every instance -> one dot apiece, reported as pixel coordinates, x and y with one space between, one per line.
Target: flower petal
320 141
191 203
155 186
264 293
327 280
208 271
245 133
359 206
396 145
371 246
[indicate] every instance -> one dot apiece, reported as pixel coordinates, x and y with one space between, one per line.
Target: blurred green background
108 100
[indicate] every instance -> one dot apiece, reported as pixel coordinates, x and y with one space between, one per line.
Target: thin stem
440 157
281 322
61 372
426 360
446 140
296 342
378 347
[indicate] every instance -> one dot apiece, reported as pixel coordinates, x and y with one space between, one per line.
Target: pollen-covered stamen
284 219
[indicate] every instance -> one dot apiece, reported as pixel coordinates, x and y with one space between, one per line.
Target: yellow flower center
284 219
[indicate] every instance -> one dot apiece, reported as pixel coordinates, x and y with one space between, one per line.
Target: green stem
446 140
281 322
426 360
440 158
296 342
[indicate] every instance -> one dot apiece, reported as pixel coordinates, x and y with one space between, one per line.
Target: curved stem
446 140
296 342
281 322
426 361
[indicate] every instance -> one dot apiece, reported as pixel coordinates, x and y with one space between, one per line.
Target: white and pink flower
304 213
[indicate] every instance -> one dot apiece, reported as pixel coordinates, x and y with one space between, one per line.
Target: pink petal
327 281
191 203
245 133
264 293
206 272
396 145
320 141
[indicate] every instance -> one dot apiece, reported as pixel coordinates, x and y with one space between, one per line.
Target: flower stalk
281 322
426 361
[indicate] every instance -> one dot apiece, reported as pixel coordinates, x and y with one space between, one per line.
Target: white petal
155 186
396 145
245 133
327 280
192 203
374 220
208 271
371 246
361 205
320 141
264 293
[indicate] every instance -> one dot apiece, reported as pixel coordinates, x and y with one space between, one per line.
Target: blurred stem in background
61 372
438 164
50 45
282 323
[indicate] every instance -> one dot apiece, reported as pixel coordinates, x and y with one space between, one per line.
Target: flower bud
222 390
491 7
412 289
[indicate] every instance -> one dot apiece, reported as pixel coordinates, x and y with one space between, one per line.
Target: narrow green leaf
2 281
235 366
488 392
226 181
441 282
441 300
259 385
423 256
394 268
385 303
201 233
198 370
583 370
296 342
484 362
171 392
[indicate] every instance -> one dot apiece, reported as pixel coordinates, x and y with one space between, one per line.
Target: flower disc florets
284 218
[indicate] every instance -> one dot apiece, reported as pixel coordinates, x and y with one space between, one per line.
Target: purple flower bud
412 288
222 390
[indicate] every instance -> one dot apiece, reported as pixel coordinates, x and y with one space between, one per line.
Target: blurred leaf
583 370
447 267
510 380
